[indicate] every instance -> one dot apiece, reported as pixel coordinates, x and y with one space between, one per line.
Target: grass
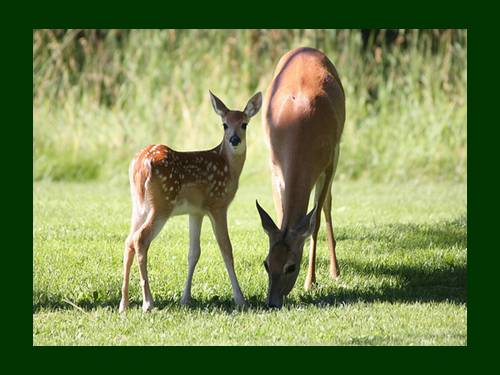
402 251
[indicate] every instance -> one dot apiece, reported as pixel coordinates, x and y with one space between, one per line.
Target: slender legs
277 195
140 241
323 199
128 258
219 225
327 210
320 193
195 222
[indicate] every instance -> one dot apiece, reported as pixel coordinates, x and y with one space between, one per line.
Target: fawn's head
235 122
282 263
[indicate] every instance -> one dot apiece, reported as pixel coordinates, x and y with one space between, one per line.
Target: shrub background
100 95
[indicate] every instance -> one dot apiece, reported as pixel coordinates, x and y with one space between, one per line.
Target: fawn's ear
253 105
219 107
305 226
267 223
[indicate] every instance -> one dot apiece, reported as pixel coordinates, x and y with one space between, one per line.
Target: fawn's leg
142 239
320 192
219 225
128 258
195 222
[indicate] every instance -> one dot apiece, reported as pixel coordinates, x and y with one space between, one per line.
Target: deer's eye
266 266
225 126
290 268
244 126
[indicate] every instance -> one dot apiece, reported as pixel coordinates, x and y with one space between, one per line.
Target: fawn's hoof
309 284
123 307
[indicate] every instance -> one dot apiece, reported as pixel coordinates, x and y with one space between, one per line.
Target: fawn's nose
235 140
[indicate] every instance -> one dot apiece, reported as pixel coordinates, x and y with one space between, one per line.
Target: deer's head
282 263
235 122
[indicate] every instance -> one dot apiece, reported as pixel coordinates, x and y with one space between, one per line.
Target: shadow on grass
416 282
412 236
415 285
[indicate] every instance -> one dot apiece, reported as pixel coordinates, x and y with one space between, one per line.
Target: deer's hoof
240 302
147 306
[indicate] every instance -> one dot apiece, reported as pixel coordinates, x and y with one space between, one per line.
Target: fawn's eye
266 266
225 126
244 126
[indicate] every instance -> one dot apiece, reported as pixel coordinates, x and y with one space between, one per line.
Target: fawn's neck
234 160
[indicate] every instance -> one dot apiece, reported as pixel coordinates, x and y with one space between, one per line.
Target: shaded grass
402 250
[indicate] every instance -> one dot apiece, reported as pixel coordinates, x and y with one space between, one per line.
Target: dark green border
240 15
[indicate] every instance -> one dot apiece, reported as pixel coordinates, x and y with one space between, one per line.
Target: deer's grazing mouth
165 182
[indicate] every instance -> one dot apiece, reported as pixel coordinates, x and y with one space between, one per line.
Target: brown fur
165 182
304 113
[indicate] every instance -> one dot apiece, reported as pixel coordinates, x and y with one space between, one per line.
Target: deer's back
304 110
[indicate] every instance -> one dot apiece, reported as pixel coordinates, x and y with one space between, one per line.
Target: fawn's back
181 182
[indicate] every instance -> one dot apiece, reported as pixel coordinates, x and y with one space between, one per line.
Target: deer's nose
235 140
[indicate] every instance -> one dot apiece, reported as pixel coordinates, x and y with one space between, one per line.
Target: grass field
400 193
402 250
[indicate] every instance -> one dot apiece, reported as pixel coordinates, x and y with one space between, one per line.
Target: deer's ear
305 226
253 105
219 107
267 223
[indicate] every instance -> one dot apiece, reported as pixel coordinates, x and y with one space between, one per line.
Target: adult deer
165 183
304 114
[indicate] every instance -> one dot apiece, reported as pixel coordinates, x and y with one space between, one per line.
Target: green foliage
99 96
402 250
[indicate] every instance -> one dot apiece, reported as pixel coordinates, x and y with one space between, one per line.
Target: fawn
165 183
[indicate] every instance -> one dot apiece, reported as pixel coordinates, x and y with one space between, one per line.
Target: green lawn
402 250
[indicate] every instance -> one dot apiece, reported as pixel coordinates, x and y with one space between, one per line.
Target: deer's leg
320 192
128 258
195 222
142 239
219 225
327 210
277 195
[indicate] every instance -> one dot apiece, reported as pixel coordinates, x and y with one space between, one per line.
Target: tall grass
98 97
